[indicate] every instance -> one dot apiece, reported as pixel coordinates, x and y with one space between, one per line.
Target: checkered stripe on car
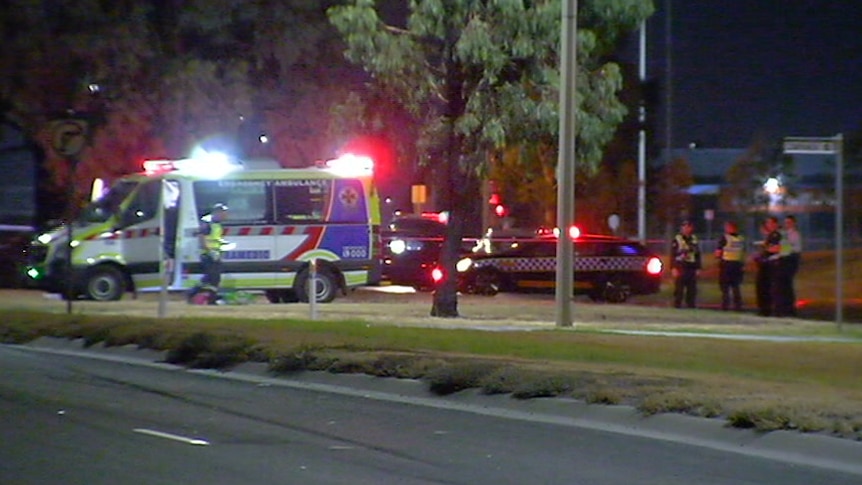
520 265
528 265
607 263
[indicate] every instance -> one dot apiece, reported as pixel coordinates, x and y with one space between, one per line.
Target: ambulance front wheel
105 283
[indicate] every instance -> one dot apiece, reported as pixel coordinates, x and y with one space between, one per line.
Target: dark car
605 268
411 247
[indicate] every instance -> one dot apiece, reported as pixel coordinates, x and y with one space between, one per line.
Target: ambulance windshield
108 204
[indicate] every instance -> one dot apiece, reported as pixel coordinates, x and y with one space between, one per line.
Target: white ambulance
142 232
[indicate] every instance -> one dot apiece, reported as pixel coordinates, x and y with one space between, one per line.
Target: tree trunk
445 302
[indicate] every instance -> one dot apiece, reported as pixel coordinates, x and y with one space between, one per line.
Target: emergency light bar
574 232
349 164
211 166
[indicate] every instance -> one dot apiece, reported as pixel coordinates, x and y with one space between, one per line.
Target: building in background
803 185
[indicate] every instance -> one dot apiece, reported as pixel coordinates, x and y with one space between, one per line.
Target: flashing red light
158 166
500 210
654 266
441 217
574 232
377 148
437 274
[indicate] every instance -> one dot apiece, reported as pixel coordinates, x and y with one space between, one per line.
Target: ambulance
282 225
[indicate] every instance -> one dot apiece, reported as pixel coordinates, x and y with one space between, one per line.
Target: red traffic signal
500 210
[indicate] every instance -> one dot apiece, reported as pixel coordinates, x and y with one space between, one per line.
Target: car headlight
463 265
399 246
44 238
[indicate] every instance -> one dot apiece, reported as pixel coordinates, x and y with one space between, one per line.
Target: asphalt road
71 420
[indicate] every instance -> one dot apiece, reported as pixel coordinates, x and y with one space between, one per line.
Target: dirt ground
395 306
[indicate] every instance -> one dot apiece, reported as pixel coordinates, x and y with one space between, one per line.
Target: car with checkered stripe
606 268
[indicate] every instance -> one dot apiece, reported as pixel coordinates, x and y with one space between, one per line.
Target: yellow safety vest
684 252
213 241
786 247
734 248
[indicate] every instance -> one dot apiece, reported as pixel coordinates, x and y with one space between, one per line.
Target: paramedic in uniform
210 237
685 266
730 252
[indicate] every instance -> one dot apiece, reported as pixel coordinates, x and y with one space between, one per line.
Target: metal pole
312 288
668 88
70 200
642 140
839 231
566 164
163 291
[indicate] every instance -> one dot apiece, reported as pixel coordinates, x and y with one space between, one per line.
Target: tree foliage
159 77
673 200
480 76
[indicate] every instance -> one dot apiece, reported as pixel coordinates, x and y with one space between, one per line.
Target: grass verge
805 386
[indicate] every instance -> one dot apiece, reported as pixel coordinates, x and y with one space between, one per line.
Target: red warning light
437 274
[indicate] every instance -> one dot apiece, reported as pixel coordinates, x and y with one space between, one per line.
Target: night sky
747 68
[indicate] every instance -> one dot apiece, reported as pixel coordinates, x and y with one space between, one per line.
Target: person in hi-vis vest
730 252
685 266
211 241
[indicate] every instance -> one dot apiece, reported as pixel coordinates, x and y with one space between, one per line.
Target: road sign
810 146
68 137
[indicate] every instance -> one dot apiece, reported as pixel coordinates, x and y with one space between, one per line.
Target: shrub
205 351
458 377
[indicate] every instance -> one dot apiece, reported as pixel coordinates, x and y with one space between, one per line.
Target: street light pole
642 140
566 164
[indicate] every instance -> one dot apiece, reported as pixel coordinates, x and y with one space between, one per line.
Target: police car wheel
326 286
487 283
105 284
617 291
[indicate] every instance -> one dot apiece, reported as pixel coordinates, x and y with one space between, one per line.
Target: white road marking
174 437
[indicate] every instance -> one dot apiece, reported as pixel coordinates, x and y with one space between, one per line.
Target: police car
605 268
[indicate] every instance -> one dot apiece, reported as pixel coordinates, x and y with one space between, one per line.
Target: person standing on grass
791 256
761 280
771 266
686 265
730 252
211 242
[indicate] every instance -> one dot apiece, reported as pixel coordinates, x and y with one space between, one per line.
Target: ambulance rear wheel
326 288
105 283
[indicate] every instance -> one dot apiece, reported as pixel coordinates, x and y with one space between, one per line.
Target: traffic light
500 210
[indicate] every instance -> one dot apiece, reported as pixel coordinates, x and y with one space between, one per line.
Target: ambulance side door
139 226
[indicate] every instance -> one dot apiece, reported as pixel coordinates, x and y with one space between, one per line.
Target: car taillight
654 266
437 274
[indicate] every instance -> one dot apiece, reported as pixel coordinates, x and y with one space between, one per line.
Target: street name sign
810 146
